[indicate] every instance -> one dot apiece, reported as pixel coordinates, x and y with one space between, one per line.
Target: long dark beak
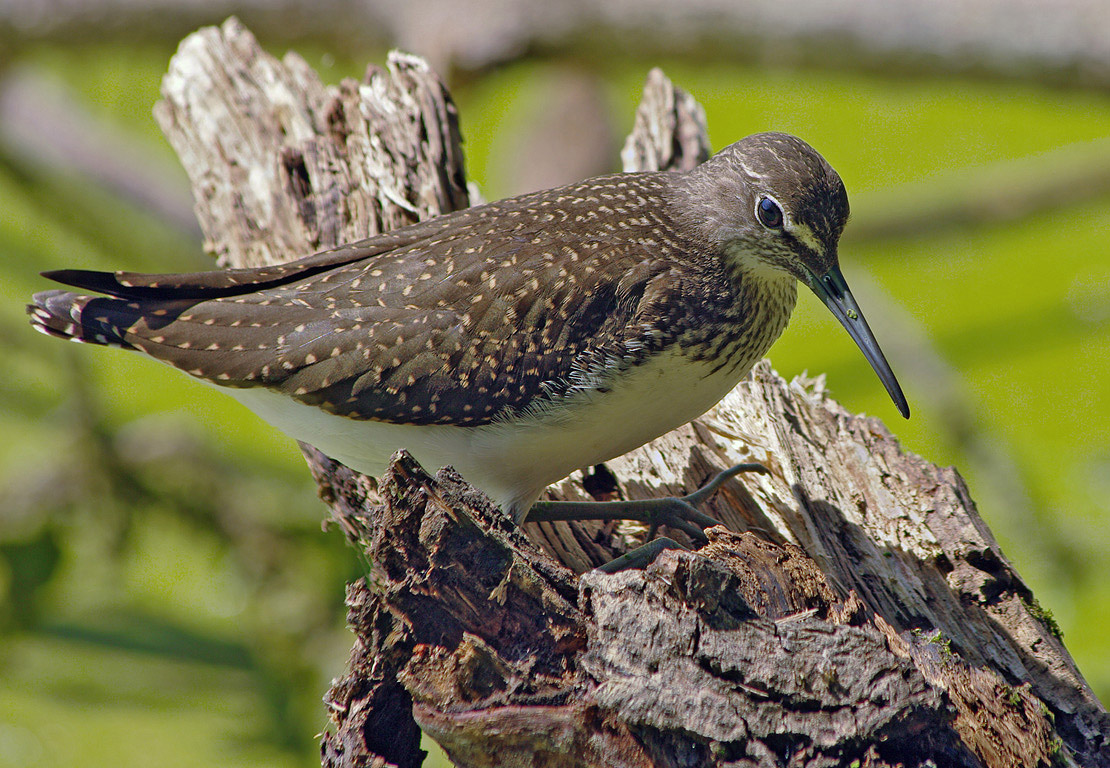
834 292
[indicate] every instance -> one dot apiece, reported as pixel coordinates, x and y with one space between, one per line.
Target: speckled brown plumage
452 322
503 312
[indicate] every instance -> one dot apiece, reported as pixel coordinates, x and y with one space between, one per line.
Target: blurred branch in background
986 196
45 125
114 478
1053 40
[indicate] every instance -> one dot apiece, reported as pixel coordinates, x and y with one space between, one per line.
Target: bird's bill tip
833 291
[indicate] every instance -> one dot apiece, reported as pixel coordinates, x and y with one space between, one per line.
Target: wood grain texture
854 607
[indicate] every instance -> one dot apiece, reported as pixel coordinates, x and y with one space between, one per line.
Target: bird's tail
155 299
86 319
158 298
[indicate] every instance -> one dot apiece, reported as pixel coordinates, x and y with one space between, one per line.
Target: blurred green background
166 594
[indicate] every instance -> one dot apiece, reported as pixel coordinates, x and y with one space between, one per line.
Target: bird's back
461 320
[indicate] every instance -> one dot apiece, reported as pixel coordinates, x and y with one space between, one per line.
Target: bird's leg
675 511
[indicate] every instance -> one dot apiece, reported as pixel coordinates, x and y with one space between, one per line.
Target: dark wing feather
232 282
455 321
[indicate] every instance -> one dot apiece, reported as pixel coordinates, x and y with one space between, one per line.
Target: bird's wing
494 312
221 283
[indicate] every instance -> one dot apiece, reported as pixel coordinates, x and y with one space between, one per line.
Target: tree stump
852 608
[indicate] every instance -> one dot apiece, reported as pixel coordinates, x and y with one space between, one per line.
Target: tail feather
157 299
87 319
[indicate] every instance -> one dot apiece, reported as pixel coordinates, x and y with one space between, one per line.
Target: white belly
514 461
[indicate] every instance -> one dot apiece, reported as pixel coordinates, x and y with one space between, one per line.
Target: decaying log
853 608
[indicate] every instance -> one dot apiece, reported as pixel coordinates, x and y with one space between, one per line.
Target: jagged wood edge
283 166
340 205
925 559
899 531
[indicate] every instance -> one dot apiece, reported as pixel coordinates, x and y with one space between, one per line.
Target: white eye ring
769 212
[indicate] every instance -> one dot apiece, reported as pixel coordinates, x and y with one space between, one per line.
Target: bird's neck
733 316
766 298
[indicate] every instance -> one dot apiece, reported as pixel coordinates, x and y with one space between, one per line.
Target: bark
853 608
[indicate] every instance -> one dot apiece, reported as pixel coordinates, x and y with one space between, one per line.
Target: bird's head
772 208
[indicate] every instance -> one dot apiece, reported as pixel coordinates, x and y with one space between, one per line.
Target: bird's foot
678 512
640 557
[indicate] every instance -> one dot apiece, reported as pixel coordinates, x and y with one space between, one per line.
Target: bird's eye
769 213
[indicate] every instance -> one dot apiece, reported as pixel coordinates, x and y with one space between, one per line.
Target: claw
707 490
678 512
639 557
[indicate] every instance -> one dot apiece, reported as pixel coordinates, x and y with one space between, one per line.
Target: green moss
1044 615
1056 752
937 638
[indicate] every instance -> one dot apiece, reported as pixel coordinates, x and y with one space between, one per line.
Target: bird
516 340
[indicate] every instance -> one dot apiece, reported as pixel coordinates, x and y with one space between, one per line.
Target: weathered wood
283 166
867 614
